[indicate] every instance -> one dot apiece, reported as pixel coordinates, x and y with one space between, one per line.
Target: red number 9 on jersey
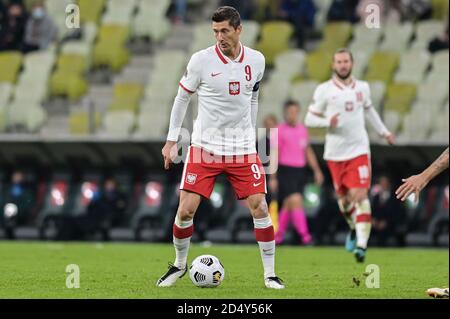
248 72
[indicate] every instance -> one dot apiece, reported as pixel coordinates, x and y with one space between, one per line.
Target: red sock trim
265 234
182 233
364 218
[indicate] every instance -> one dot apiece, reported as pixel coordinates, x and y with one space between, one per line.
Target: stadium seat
397 37
320 19
150 20
366 37
440 9
440 65
110 48
335 35
79 48
400 97
303 93
361 61
91 10
79 123
378 91
32 90
433 94
6 90
119 12
318 65
275 37
250 33
128 92
392 120
290 63
118 123
425 32
382 66
26 115
72 85
2 120
413 66
418 123
39 61
152 123
10 64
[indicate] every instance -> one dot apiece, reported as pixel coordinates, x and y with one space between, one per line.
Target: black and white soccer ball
206 271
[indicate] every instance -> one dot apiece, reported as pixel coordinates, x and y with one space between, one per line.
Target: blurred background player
414 185
290 153
226 77
342 105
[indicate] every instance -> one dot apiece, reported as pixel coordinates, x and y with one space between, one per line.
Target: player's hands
390 138
413 184
334 121
169 152
318 177
273 184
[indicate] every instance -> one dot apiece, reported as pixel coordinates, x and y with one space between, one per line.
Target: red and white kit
347 148
224 130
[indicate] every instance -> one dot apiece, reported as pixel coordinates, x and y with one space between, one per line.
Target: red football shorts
245 173
354 173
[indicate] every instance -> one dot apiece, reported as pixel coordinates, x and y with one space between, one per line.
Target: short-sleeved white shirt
349 139
225 88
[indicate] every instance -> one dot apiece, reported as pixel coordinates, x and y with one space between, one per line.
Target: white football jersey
225 88
349 139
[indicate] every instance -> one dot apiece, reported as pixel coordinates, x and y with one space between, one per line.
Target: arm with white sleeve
188 85
316 112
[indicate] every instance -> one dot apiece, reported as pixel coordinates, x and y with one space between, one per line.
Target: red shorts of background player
245 173
354 173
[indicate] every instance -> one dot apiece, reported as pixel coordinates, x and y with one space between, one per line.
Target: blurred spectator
343 10
389 218
415 9
40 30
245 7
106 209
180 11
18 203
12 27
300 13
439 43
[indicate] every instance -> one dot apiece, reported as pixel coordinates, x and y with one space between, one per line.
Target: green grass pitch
121 270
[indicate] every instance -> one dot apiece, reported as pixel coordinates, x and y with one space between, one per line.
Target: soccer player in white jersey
342 105
226 78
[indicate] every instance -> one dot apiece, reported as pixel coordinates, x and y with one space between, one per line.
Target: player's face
227 36
342 65
291 114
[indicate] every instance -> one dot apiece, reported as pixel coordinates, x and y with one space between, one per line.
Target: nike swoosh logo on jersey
215 74
256 184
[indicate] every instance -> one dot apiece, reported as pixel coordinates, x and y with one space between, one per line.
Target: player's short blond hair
343 50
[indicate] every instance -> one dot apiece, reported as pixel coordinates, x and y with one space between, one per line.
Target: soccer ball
206 271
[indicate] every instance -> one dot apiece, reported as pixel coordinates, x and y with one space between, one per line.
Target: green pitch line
113 270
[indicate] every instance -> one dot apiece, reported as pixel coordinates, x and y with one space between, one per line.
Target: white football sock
182 234
266 240
363 223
